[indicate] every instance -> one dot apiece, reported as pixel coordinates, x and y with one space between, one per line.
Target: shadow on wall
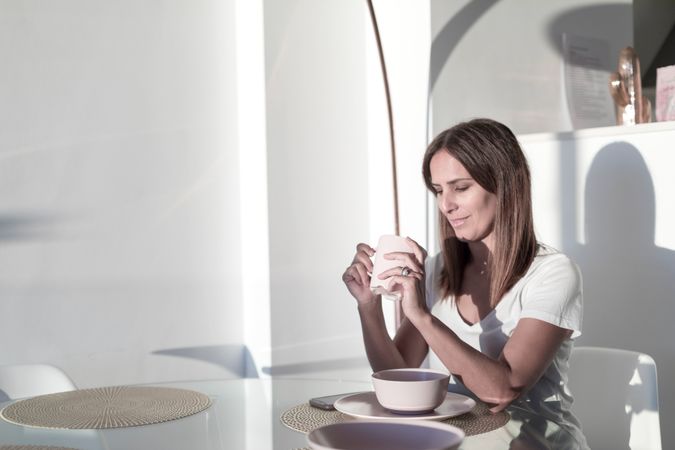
452 32
24 225
237 359
316 366
629 282
585 21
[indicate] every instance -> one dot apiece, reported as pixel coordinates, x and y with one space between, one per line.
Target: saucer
364 405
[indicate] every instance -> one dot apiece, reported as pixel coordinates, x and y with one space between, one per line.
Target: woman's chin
468 238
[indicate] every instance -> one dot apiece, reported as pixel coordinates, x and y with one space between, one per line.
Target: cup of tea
387 243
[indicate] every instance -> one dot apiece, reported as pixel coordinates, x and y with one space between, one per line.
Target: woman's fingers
361 247
357 280
408 283
407 260
418 250
363 254
363 274
348 274
398 272
412 290
356 272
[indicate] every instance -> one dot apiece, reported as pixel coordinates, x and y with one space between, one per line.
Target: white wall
147 143
317 177
329 166
604 196
119 192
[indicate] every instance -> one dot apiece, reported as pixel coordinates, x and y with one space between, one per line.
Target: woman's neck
480 252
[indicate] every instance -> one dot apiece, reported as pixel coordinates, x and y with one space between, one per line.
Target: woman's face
469 208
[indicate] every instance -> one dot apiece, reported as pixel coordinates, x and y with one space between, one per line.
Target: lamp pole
397 228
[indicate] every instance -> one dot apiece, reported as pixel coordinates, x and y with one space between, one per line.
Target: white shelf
616 130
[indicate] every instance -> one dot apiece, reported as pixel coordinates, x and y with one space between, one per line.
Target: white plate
390 435
365 406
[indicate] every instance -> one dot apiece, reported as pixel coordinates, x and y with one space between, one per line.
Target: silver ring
405 271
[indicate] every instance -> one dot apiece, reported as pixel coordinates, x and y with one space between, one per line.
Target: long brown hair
491 154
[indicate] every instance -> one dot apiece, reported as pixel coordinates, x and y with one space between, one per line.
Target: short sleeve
554 294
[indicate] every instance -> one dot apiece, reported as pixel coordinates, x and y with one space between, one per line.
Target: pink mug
388 243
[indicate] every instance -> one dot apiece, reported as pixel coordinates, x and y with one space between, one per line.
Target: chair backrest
615 398
28 380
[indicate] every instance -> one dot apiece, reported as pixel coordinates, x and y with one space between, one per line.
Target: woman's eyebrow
456 180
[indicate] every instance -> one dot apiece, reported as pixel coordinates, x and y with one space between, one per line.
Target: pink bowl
410 390
378 435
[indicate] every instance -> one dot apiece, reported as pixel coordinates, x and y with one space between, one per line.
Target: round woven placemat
107 407
33 447
304 418
479 420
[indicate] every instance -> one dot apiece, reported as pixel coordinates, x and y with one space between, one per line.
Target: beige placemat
304 418
107 407
479 420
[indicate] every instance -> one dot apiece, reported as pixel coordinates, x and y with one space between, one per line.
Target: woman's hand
408 278
357 275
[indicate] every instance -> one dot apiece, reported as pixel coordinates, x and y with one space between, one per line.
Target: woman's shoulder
547 250
551 260
549 254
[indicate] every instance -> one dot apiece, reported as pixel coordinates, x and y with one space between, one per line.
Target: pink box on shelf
665 93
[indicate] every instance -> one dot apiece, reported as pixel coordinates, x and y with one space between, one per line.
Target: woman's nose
447 202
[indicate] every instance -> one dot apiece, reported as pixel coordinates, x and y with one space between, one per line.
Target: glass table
245 415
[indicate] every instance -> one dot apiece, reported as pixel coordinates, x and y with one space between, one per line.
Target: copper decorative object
625 86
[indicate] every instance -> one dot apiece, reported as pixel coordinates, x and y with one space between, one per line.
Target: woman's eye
461 188
438 192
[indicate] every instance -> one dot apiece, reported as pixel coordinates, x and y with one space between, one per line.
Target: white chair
615 398
28 380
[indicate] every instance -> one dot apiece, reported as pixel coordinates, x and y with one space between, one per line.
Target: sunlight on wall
583 161
406 57
253 180
662 175
644 424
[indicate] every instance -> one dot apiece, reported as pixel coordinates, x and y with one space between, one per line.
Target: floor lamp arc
397 228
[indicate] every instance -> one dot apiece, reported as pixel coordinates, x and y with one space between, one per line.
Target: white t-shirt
550 291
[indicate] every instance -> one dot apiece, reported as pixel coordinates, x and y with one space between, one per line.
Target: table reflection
246 415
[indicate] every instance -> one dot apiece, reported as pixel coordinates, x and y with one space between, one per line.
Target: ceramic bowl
390 435
410 390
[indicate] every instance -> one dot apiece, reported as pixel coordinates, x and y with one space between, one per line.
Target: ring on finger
405 271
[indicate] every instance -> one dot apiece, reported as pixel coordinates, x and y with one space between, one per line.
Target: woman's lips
457 222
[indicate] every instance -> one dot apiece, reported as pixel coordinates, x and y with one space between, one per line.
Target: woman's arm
528 352
526 355
408 349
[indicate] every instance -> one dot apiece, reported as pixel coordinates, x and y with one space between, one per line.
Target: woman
494 308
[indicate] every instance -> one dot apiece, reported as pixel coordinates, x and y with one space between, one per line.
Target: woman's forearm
488 378
381 351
